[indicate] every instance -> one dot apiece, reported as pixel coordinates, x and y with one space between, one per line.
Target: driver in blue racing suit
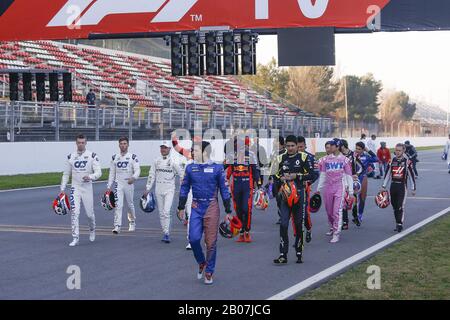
364 157
205 178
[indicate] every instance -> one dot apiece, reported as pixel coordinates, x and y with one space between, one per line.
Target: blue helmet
338 142
148 203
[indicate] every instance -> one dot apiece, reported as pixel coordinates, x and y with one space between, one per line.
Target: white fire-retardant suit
162 173
123 168
79 166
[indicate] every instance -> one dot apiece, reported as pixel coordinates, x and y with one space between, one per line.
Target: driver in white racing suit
124 171
162 173
447 153
84 167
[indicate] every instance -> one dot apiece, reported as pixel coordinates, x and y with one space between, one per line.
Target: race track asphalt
34 252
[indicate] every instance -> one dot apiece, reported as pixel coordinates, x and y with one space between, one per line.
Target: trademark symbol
197 17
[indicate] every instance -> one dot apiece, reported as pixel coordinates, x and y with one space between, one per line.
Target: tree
270 78
395 107
362 94
312 89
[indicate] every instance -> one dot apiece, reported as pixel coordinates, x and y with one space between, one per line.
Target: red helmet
348 201
61 204
230 227
289 193
235 225
382 199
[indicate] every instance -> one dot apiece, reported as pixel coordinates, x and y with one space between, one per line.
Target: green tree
396 106
271 78
362 94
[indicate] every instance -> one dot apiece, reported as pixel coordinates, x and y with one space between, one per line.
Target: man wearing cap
162 173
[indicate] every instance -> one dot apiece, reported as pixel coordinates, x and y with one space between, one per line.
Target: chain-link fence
29 121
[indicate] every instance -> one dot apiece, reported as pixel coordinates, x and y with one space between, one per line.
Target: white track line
53 186
334 270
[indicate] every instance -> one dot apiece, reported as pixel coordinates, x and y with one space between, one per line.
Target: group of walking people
291 173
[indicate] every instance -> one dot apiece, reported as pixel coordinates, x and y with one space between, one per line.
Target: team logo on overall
334 165
80 164
122 165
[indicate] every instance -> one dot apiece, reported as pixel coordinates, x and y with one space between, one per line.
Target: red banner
77 19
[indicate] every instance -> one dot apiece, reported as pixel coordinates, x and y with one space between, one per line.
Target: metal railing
54 121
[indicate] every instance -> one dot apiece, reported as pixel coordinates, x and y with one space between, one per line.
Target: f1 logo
92 12
80 164
4 5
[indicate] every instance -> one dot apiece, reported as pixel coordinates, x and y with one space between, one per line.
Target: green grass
417 267
45 179
428 148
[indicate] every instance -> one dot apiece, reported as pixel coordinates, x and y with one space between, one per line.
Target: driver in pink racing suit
335 179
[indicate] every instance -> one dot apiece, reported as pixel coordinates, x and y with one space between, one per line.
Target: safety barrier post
56 108
130 123
12 122
97 122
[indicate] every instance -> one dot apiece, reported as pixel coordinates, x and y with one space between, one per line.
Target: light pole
346 106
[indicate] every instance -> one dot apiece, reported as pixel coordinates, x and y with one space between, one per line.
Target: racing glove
227 205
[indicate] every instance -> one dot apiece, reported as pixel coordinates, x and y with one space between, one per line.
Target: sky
415 62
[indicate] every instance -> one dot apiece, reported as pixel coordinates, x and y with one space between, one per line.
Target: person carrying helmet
344 149
301 146
294 170
205 178
243 174
412 155
279 149
186 160
364 158
335 180
399 169
84 167
162 173
124 171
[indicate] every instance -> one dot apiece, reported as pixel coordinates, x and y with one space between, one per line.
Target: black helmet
315 202
224 230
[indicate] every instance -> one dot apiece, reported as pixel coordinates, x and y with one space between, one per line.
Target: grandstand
123 79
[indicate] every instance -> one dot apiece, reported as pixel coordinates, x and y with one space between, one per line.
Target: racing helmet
289 193
108 200
315 202
382 199
348 201
61 205
261 199
148 203
230 227
356 187
225 230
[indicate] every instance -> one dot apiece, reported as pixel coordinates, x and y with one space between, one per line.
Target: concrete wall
39 157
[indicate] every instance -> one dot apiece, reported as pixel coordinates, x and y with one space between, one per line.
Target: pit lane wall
42 157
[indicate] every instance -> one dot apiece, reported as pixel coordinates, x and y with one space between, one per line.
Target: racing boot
282 259
241 238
